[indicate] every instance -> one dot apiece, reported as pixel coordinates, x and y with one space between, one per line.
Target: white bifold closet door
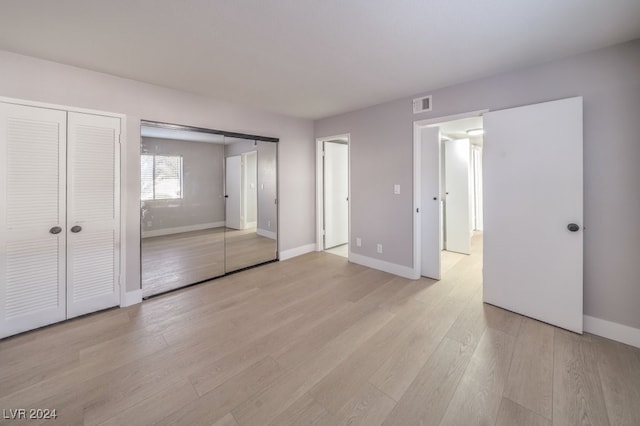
92 213
32 217
59 170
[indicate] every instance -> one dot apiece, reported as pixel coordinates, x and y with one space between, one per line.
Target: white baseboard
265 233
250 225
180 229
131 298
612 330
382 265
298 251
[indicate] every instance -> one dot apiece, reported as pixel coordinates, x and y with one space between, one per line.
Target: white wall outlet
379 248
396 189
269 224
358 242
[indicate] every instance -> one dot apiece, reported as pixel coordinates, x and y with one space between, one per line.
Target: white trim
265 233
298 251
381 265
131 298
250 225
61 107
320 186
180 229
612 330
417 227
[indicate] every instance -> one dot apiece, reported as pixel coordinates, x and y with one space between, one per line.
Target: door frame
418 125
320 188
125 299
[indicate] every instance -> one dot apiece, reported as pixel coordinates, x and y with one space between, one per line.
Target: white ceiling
311 58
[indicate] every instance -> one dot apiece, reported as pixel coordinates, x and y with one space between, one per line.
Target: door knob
55 230
76 229
573 227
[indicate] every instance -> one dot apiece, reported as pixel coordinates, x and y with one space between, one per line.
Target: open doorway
528 205
448 185
461 142
333 195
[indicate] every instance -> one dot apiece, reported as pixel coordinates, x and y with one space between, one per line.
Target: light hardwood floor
173 261
316 340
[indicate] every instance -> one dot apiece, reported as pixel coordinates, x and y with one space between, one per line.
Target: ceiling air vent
422 104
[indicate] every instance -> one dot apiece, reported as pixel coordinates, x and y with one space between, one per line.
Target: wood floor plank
214 405
349 378
265 406
277 343
305 411
227 420
369 407
478 396
530 381
619 372
512 414
426 400
577 391
396 374
156 407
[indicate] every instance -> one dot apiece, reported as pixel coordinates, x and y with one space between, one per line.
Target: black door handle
76 229
55 230
573 227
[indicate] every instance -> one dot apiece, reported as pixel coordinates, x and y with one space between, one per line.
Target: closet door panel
32 217
93 219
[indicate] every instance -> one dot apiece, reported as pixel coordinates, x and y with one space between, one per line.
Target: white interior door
457 204
336 194
233 195
250 190
430 215
93 215
32 217
532 191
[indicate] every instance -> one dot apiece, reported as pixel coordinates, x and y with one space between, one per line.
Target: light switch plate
359 242
396 189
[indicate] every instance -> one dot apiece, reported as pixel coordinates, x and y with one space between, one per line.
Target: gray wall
33 79
609 81
202 200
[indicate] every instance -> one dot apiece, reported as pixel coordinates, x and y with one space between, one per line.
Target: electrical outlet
269 224
396 189
379 248
358 242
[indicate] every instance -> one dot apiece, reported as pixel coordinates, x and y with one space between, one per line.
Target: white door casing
532 190
32 190
93 195
336 194
430 211
457 204
233 192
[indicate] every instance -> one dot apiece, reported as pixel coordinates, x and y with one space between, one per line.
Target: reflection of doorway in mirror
249 215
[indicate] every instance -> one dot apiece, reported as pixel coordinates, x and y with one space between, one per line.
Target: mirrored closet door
208 204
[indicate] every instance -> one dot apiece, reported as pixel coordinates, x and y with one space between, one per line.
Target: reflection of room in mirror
208 206
251 211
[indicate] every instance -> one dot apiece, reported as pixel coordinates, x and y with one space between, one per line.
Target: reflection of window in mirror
161 177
